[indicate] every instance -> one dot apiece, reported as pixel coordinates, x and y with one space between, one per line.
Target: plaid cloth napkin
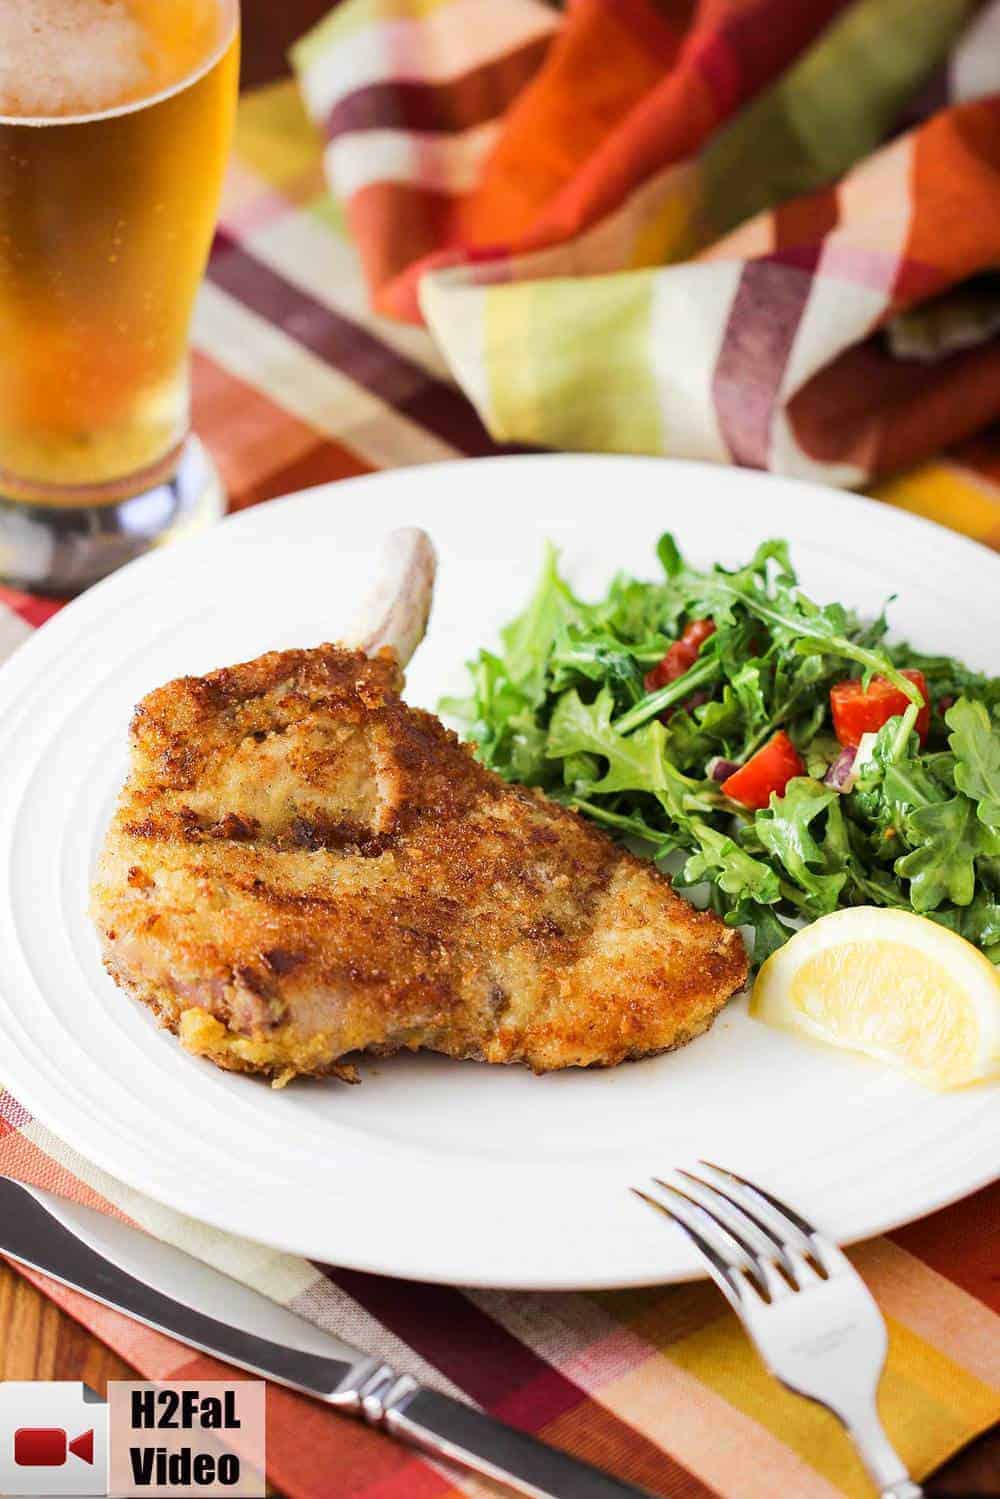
298 382
682 226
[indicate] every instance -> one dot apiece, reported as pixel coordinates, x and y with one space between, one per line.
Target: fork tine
788 1214
757 1238
777 1218
759 1265
733 1286
734 1249
766 1241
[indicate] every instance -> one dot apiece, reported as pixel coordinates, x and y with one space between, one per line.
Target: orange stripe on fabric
26 1162
805 221
323 464
248 434
666 127
595 1434
261 450
412 1480
599 67
956 192
395 224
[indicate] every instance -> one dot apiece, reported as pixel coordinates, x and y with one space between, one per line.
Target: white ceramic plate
434 1169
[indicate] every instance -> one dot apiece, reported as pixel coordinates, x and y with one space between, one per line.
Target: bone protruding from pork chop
301 868
396 611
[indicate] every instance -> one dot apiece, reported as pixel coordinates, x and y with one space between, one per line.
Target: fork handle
879 1456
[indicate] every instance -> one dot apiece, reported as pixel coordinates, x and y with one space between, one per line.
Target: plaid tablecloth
298 382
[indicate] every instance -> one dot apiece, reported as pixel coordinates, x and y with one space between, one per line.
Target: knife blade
169 1290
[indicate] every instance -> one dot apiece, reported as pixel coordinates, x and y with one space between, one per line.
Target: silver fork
809 1314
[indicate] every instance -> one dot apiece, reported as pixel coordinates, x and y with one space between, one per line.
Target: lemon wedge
893 985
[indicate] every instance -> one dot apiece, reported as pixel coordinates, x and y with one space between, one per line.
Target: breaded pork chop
301 867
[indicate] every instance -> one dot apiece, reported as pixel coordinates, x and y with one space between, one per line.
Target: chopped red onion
840 776
718 769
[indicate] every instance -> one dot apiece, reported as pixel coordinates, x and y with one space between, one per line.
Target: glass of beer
116 120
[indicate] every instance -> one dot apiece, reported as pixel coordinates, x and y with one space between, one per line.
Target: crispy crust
301 867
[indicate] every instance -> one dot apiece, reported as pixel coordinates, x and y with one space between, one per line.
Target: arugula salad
779 752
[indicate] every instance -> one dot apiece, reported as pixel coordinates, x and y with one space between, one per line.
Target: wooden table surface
37 1341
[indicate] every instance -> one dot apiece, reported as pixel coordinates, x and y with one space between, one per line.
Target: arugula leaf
895 781
747 683
502 723
784 831
730 867
799 625
800 685
945 840
978 922
528 638
976 745
599 657
630 824
638 763
634 611
844 848
668 555
706 669
713 728
769 931
820 753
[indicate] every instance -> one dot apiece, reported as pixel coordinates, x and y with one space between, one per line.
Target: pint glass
115 125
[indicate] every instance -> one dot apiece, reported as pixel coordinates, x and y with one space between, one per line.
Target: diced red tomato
856 711
770 769
681 656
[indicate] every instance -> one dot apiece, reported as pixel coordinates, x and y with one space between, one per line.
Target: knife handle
446 1428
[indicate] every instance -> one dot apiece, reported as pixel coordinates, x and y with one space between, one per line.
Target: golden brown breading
301 867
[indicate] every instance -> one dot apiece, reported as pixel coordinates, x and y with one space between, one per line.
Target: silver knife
166 1289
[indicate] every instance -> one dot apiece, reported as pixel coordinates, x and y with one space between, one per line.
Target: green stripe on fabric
274 135
354 16
568 363
828 111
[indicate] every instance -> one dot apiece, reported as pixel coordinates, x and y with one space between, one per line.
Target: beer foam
69 57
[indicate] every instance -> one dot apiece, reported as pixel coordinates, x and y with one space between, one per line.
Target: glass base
63 549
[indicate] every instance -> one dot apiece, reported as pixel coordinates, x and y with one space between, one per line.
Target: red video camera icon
48 1446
